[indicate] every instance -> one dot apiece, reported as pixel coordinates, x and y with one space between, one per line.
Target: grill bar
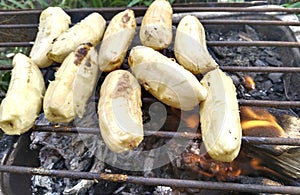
169 134
152 181
254 43
207 22
175 10
260 69
270 103
259 103
229 69
209 43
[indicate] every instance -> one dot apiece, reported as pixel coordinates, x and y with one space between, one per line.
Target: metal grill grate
31 16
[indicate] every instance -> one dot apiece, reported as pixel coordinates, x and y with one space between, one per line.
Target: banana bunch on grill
156 27
23 101
165 79
75 77
119 111
116 40
219 117
88 30
190 46
53 22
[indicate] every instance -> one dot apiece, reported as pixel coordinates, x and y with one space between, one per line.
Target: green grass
31 4
26 4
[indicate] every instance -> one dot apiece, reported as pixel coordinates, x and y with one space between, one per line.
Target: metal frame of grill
227 186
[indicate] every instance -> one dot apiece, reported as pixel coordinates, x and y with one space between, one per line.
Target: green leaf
17 4
295 5
133 3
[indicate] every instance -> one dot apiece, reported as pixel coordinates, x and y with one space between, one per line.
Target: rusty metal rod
175 10
16 44
285 69
236 9
176 21
259 103
254 22
168 135
254 43
270 103
259 69
11 26
6 67
254 188
210 43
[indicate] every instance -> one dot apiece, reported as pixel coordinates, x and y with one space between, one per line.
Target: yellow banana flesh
59 96
219 116
119 111
85 79
88 30
156 27
116 40
52 23
165 79
190 46
23 101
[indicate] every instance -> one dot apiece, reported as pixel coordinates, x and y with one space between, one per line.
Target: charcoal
259 62
272 61
276 77
266 84
252 33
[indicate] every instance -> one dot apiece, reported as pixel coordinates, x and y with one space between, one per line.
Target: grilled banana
23 101
219 116
85 78
165 79
190 46
119 111
53 22
116 40
156 27
88 30
59 97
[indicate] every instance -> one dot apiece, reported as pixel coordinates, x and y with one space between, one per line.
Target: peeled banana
88 30
219 116
85 78
53 22
59 97
116 40
165 79
190 46
23 101
156 27
119 111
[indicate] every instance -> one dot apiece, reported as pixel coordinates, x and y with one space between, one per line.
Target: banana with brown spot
119 111
116 40
88 30
156 27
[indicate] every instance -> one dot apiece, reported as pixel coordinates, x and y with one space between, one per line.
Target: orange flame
259 122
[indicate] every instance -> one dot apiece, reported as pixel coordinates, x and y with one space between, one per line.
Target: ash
66 152
88 153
